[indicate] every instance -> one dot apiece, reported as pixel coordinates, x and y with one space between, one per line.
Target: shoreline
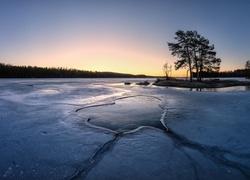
200 84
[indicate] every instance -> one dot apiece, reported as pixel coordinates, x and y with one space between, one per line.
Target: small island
213 83
198 57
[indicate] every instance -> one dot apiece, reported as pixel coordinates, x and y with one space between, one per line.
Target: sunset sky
127 36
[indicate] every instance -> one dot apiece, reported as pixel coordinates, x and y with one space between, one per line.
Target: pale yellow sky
118 36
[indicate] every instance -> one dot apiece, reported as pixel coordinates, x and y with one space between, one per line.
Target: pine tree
194 52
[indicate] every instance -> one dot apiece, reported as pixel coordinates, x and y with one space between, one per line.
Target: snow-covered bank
43 137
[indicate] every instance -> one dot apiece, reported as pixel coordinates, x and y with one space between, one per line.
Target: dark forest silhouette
235 73
10 71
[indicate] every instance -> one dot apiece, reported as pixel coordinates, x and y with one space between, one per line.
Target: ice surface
126 114
44 133
153 155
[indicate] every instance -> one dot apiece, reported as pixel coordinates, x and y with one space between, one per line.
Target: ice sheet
43 136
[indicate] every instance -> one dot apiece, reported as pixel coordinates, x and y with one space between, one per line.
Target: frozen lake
103 129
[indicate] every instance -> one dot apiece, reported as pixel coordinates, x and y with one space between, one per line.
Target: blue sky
128 36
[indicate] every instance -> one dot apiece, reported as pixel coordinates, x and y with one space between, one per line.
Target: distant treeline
10 71
235 73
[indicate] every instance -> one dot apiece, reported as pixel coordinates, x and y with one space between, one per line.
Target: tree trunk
191 75
190 70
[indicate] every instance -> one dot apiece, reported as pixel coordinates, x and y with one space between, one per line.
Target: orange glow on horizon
102 54
113 56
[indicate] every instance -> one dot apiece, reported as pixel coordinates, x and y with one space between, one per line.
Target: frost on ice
101 129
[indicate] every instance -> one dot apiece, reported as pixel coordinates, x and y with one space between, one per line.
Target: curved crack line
95 159
193 163
113 102
99 127
212 152
138 96
161 120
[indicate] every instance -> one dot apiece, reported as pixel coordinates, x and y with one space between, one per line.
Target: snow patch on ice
49 91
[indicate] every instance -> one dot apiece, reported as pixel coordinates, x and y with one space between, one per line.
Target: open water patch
126 114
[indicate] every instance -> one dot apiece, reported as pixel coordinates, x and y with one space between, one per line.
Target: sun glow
114 56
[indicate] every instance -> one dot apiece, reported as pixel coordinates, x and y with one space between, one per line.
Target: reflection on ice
127 114
40 138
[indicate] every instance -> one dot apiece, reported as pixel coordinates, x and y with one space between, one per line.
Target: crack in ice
93 161
214 153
